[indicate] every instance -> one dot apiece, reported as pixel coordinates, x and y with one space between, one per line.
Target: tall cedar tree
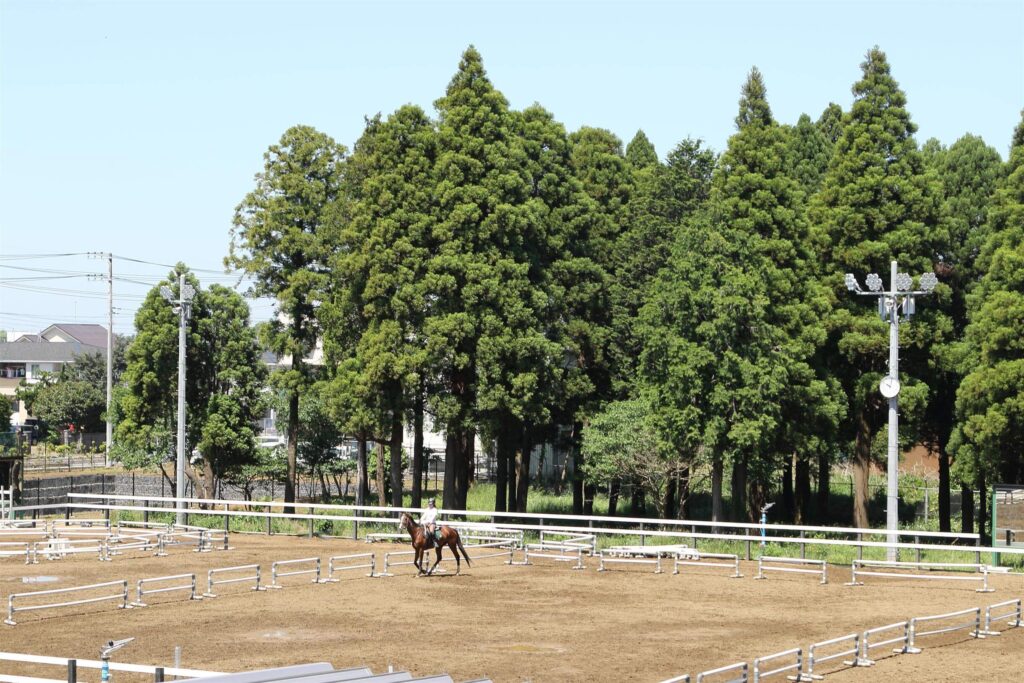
579 239
876 204
485 305
727 356
280 238
990 400
969 172
392 219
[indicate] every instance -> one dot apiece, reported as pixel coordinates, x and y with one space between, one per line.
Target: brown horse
448 537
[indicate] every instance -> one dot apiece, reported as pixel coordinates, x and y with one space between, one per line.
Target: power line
19 257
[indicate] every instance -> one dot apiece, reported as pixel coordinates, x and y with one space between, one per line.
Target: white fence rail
141 590
733 562
1014 616
67 664
211 581
872 567
341 563
276 574
866 644
121 596
814 657
741 668
973 622
796 654
791 565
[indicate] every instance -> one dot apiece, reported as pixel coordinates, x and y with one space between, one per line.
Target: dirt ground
543 622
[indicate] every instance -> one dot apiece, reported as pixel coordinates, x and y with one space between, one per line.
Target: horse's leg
455 552
438 560
417 559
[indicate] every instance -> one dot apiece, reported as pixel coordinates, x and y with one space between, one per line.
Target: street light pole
182 305
899 298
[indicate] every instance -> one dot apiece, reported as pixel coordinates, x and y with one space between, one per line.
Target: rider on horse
429 521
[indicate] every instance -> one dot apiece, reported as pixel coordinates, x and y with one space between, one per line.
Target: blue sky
136 127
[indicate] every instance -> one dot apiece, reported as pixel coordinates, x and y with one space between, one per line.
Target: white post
892 502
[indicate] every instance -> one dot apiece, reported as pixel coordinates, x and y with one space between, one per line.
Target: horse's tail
458 541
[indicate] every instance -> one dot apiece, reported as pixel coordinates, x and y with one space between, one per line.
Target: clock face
889 386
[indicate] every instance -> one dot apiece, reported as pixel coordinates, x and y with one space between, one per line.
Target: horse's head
405 520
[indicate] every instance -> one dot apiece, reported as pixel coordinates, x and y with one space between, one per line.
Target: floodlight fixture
187 292
166 292
928 282
874 282
904 283
851 283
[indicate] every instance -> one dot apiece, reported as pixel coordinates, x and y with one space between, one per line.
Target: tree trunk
452 453
802 491
613 496
684 493
824 485
293 444
396 460
523 471
944 521
382 495
577 469
716 488
325 489
966 509
787 490
739 488
861 471
501 448
637 505
363 488
510 455
983 509
669 502
417 453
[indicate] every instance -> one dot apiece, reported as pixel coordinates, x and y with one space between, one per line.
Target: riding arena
544 597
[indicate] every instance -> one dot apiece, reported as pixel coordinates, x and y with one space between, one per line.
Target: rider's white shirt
429 516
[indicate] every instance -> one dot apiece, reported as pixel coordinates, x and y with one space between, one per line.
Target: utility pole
183 304
110 348
899 298
110 357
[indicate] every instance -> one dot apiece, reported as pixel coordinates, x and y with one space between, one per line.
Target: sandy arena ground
522 623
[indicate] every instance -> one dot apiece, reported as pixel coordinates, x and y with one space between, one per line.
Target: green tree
876 204
809 154
70 404
479 276
92 367
969 172
640 152
732 324
224 381
281 237
990 400
830 123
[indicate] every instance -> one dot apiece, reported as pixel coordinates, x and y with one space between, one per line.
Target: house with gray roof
31 356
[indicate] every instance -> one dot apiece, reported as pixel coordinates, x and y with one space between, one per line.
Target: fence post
158 675
860 548
917 540
72 671
803 546
269 530
643 537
